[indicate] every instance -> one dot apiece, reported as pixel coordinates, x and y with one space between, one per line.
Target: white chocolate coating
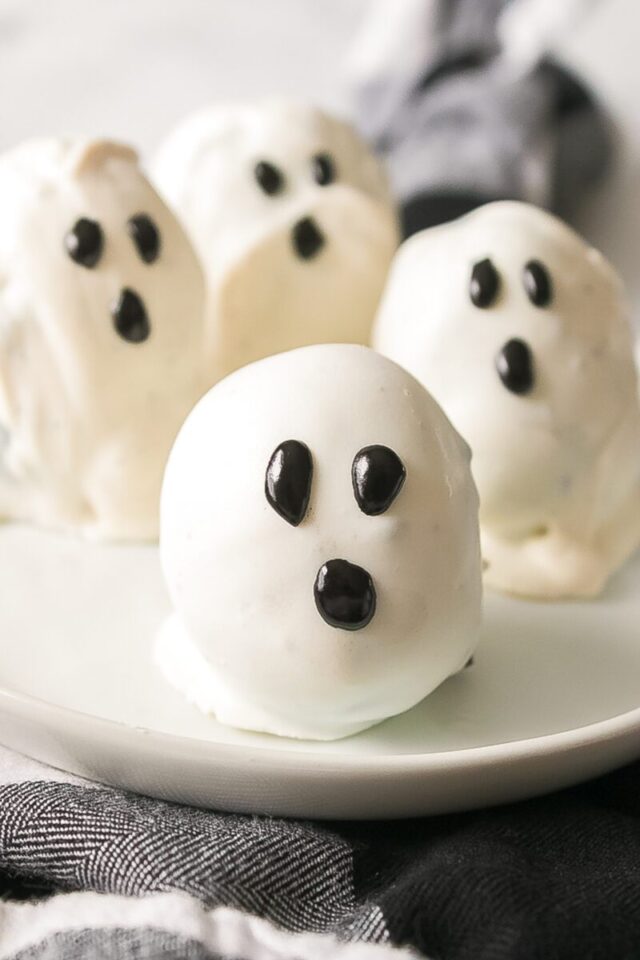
264 298
557 468
246 641
88 417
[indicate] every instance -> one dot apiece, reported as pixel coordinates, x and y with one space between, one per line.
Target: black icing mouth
307 238
130 317
345 595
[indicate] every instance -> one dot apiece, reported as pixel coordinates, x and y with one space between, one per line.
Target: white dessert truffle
101 336
520 331
319 538
292 217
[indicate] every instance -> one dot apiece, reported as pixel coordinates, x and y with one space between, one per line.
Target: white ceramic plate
553 698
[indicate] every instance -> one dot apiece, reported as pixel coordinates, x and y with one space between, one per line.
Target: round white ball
246 640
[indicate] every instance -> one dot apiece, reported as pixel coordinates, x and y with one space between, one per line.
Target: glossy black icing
307 238
288 480
537 283
268 177
324 169
130 317
84 242
345 595
145 236
484 284
514 364
377 475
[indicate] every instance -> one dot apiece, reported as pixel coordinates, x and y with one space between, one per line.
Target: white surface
132 70
554 697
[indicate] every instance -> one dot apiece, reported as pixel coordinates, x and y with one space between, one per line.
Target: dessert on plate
319 540
101 335
520 330
293 220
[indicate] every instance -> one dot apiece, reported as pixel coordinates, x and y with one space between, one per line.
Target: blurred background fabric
478 110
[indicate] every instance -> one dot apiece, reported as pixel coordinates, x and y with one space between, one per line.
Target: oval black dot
84 242
345 595
288 480
537 283
324 169
145 235
377 474
307 238
130 317
484 283
268 177
514 364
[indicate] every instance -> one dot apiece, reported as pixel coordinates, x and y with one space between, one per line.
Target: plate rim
514 751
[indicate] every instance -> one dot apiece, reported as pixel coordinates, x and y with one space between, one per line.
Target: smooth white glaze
88 418
246 641
557 469
265 299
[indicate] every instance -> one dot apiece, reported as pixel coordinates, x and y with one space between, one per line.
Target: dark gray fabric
300 876
554 878
464 130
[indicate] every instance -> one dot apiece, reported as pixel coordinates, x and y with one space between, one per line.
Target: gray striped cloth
466 105
92 873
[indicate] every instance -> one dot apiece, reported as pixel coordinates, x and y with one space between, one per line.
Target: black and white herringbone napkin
88 872
163 881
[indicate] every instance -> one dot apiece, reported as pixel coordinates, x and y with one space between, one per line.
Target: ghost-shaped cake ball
319 539
101 338
292 217
520 331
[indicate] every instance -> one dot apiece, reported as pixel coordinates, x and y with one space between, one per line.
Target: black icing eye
484 284
514 364
146 237
268 177
324 169
130 317
377 475
84 242
288 480
537 283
